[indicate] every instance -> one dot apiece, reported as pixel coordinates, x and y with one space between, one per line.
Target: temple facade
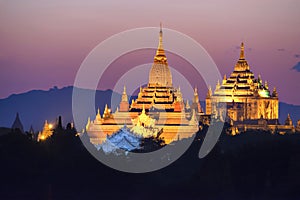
246 102
244 96
159 101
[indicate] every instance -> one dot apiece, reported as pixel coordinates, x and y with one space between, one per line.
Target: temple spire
98 116
124 95
18 124
242 64
160 56
242 53
160 37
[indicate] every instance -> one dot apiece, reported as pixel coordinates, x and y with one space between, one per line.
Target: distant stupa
17 125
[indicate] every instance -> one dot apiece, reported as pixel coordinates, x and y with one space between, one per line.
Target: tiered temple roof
242 82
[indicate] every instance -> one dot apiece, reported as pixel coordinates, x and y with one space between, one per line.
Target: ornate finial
224 79
87 126
266 85
187 106
209 92
143 111
160 56
242 53
218 86
288 120
124 95
196 98
160 27
274 93
259 78
160 46
105 110
98 116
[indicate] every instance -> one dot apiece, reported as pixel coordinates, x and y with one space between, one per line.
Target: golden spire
209 92
218 84
242 64
87 126
98 116
196 98
242 53
274 93
187 105
124 90
195 91
160 46
266 85
160 56
224 79
124 95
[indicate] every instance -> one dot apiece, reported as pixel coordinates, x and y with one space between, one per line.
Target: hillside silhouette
36 106
253 165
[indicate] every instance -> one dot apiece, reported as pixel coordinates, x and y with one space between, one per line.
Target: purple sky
43 42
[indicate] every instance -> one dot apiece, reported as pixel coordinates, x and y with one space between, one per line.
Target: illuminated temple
245 100
159 103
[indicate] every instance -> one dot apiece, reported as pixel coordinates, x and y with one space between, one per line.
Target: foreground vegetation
252 165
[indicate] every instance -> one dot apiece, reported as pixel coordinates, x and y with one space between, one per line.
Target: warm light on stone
159 103
246 97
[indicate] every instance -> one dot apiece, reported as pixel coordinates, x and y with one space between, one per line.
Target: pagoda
158 102
17 125
245 96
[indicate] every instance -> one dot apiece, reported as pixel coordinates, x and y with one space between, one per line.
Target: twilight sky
43 42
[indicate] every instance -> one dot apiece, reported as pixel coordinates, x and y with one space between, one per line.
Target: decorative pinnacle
106 109
124 95
124 90
160 37
242 53
160 56
160 27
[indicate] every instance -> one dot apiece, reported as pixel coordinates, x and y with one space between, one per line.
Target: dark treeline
252 165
